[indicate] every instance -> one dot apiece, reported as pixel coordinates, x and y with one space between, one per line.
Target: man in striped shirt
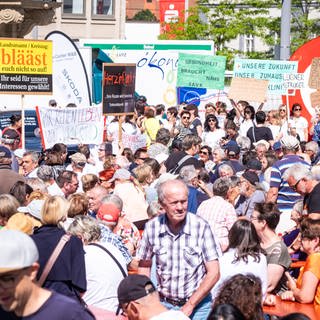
185 253
280 192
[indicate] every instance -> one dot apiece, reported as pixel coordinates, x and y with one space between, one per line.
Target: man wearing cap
78 162
8 177
185 253
139 299
280 191
248 189
11 140
20 295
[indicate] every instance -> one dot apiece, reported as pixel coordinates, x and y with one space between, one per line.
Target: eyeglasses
295 187
297 109
282 110
186 118
203 152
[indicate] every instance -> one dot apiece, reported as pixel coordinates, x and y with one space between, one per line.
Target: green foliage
224 20
145 15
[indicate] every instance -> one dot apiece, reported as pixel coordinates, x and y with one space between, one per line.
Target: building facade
97 19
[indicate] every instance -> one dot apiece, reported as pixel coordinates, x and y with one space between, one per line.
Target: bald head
169 187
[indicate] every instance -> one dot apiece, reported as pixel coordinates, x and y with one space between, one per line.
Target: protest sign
314 78
292 81
200 71
70 125
25 66
248 89
271 70
315 98
118 87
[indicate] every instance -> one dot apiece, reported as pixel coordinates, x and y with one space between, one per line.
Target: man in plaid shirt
185 253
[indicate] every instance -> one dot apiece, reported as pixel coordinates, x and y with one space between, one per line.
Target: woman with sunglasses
247 121
212 133
205 155
299 122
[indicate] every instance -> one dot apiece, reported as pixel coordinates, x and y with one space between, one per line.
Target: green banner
201 71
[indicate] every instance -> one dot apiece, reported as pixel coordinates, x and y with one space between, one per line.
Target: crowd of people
203 222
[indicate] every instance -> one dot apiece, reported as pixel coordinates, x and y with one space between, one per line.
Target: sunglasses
211 120
186 118
298 109
282 110
203 152
248 112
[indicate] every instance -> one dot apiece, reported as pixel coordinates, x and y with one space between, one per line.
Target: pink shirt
221 215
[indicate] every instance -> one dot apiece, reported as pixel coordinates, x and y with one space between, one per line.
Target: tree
145 15
225 20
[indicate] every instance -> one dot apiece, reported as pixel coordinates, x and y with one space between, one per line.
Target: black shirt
312 200
259 133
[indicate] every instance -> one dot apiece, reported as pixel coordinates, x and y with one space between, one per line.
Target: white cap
33 208
289 142
17 249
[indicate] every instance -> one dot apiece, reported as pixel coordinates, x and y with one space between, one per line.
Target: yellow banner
21 56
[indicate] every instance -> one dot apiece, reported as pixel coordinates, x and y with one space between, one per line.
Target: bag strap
112 256
178 165
53 258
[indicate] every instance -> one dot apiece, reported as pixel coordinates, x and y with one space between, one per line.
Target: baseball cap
251 177
254 164
121 174
79 159
33 208
276 146
109 212
233 149
289 142
9 136
133 287
52 102
18 250
5 152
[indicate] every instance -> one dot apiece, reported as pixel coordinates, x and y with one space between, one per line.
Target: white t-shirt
170 315
212 138
103 276
300 124
229 269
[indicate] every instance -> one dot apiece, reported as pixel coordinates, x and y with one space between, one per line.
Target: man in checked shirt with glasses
185 253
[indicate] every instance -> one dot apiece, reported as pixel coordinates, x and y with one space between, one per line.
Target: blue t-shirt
57 307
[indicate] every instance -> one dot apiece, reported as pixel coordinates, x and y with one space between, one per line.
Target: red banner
171 11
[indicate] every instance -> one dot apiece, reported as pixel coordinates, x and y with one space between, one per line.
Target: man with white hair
20 296
312 150
280 191
299 178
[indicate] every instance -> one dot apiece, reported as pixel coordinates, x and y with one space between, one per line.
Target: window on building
102 7
248 43
76 7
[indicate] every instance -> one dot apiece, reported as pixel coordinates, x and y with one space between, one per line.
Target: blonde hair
274 114
54 210
37 195
89 181
142 173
